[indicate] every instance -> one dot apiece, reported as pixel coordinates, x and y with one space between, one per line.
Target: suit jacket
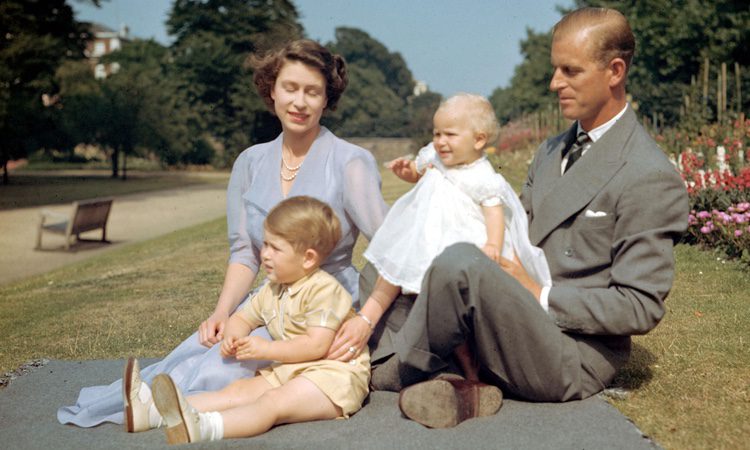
607 227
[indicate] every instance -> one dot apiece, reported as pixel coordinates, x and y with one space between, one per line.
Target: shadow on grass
637 371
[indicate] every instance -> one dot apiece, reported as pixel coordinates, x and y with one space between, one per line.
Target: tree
673 38
360 49
213 40
529 86
380 87
37 36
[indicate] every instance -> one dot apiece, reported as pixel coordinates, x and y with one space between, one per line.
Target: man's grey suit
607 227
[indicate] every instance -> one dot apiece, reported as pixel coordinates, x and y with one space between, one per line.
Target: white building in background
104 41
420 87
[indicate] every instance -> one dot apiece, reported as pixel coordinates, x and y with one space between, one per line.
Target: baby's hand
228 346
404 168
252 347
492 251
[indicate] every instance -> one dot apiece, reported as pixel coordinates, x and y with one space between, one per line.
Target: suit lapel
548 174
561 197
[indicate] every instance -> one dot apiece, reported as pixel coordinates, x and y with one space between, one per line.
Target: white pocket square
590 213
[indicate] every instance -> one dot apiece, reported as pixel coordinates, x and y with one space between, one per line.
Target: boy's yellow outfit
317 300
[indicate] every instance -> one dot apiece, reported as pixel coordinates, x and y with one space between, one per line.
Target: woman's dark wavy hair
332 66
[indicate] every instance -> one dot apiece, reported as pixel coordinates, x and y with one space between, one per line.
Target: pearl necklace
290 178
292 170
286 166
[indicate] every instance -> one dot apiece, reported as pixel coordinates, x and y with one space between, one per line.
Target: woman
298 83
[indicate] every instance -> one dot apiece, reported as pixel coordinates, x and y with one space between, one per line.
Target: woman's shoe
136 398
181 419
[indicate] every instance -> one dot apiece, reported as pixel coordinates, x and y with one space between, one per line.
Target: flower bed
726 230
714 165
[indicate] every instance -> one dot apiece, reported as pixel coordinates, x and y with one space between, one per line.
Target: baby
458 198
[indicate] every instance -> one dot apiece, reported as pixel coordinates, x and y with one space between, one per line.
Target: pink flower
704 215
705 229
737 233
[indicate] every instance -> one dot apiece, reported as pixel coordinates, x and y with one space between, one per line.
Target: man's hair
306 223
481 115
312 54
608 29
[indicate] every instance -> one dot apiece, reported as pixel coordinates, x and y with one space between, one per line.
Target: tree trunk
5 173
115 162
124 166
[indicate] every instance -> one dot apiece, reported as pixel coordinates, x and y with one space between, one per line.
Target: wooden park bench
87 215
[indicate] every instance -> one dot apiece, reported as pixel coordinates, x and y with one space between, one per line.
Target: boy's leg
299 400
238 393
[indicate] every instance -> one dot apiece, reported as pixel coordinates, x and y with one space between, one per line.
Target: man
606 208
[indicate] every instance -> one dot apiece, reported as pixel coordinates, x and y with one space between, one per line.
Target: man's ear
618 70
480 141
311 259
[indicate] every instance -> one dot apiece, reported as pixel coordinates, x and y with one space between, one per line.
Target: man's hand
516 270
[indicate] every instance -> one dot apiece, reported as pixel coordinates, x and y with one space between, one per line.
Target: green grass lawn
687 383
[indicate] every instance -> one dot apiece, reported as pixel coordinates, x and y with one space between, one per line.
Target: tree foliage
673 39
36 37
380 88
213 40
529 86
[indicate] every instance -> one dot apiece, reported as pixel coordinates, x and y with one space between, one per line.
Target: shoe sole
127 381
438 404
167 402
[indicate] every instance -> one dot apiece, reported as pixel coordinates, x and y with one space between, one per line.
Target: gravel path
133 218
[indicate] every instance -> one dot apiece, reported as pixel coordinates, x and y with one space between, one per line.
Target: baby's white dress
444 208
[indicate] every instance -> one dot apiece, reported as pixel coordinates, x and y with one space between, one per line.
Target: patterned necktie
576 150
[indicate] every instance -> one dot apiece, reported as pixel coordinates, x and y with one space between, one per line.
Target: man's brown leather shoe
445 402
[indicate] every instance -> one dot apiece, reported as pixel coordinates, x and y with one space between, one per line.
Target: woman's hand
353 333
404 168
211 330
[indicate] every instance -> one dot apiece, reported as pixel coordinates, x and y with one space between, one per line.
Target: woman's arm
494 220
356 331
237 283
311 346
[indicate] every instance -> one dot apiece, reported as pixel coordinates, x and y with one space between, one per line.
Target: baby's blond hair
482 117
306 223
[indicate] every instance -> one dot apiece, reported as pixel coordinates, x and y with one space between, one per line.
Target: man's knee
455 259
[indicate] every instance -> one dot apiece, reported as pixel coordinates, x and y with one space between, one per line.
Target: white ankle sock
154 418
144 395
211 426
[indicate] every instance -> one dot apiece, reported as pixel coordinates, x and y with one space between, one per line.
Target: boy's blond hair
306 223
482 116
